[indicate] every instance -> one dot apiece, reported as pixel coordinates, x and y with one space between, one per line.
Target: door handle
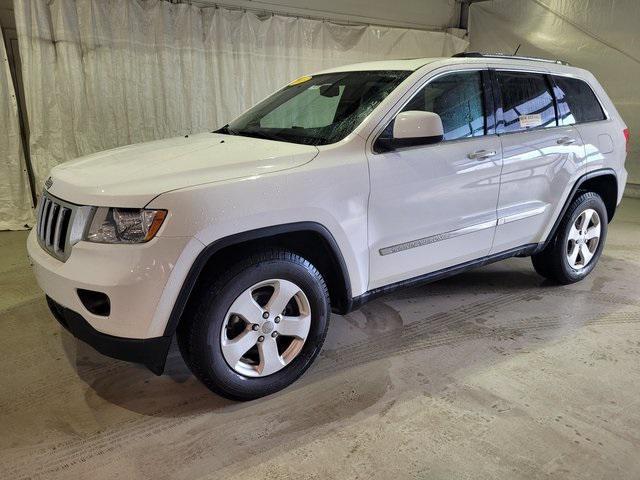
566 141
481 154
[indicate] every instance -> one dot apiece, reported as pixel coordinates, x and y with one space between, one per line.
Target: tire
542 265
226 320
555 261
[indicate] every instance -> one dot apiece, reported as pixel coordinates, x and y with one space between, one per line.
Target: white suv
339 187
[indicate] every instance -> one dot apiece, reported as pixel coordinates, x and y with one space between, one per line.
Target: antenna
516 52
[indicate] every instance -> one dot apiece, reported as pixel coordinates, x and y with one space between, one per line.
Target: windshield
317 110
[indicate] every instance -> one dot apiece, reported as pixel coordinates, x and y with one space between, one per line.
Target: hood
132 176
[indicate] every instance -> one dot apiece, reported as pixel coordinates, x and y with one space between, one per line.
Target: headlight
124 225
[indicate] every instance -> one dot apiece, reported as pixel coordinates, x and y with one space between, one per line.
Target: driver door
434 206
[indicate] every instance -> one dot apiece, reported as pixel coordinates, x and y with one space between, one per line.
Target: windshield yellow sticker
300 80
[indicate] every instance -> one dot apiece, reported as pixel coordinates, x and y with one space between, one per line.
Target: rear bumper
151 352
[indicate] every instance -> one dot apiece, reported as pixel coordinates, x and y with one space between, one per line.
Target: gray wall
601 36
420 14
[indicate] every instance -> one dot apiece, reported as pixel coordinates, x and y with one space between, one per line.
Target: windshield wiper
226 130
258 134
247 133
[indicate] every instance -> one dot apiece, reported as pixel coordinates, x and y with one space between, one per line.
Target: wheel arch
311 240
604 182
606 185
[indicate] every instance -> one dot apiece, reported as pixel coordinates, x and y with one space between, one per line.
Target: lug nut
261 338
274 334
277 319
255 327
265 315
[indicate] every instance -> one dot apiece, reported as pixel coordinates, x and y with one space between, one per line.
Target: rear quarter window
576 101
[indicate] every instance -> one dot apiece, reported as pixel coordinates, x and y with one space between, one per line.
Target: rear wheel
577 245
258 327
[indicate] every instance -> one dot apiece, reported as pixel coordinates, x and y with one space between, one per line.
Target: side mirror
418 128
411 129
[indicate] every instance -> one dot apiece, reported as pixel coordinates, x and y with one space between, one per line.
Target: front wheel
258 327
577 244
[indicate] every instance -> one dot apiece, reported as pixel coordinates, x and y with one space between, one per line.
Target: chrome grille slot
61 228
43 220
51 221
59 225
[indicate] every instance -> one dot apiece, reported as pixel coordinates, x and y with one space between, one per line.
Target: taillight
626 137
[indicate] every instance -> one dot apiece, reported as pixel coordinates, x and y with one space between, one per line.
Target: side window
458 99
576 102
526 101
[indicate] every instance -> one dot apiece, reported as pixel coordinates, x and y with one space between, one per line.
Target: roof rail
510 57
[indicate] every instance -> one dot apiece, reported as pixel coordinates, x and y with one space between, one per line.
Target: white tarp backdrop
99 74
15 198
602 36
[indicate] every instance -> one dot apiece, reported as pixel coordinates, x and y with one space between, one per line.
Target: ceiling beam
464 12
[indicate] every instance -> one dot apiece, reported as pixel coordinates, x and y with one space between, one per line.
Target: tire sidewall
583 203
212 359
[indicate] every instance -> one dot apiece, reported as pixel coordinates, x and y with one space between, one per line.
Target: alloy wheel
265 328
583 240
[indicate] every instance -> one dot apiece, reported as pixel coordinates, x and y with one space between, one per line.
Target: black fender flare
587 176
203 257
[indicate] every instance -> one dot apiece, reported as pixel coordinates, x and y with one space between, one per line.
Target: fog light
97 303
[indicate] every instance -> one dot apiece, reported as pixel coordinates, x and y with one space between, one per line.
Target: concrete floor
490 374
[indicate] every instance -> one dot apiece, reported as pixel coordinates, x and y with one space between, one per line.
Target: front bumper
141 282
152 352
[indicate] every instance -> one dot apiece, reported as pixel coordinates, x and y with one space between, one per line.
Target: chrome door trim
565 141
522 215
420 242
482 154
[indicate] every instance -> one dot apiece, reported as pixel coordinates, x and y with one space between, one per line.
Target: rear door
540 157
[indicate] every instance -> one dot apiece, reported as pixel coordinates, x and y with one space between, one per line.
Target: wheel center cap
267 327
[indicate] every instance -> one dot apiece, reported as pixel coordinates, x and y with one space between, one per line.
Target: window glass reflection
458 99
576 101
526 101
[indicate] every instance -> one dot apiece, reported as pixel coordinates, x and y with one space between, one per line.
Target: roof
413 64
409 64
503 56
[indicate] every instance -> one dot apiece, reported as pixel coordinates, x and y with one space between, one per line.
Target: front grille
60 224
53 224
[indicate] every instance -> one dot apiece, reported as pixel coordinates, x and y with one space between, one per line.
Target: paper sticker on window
529 121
